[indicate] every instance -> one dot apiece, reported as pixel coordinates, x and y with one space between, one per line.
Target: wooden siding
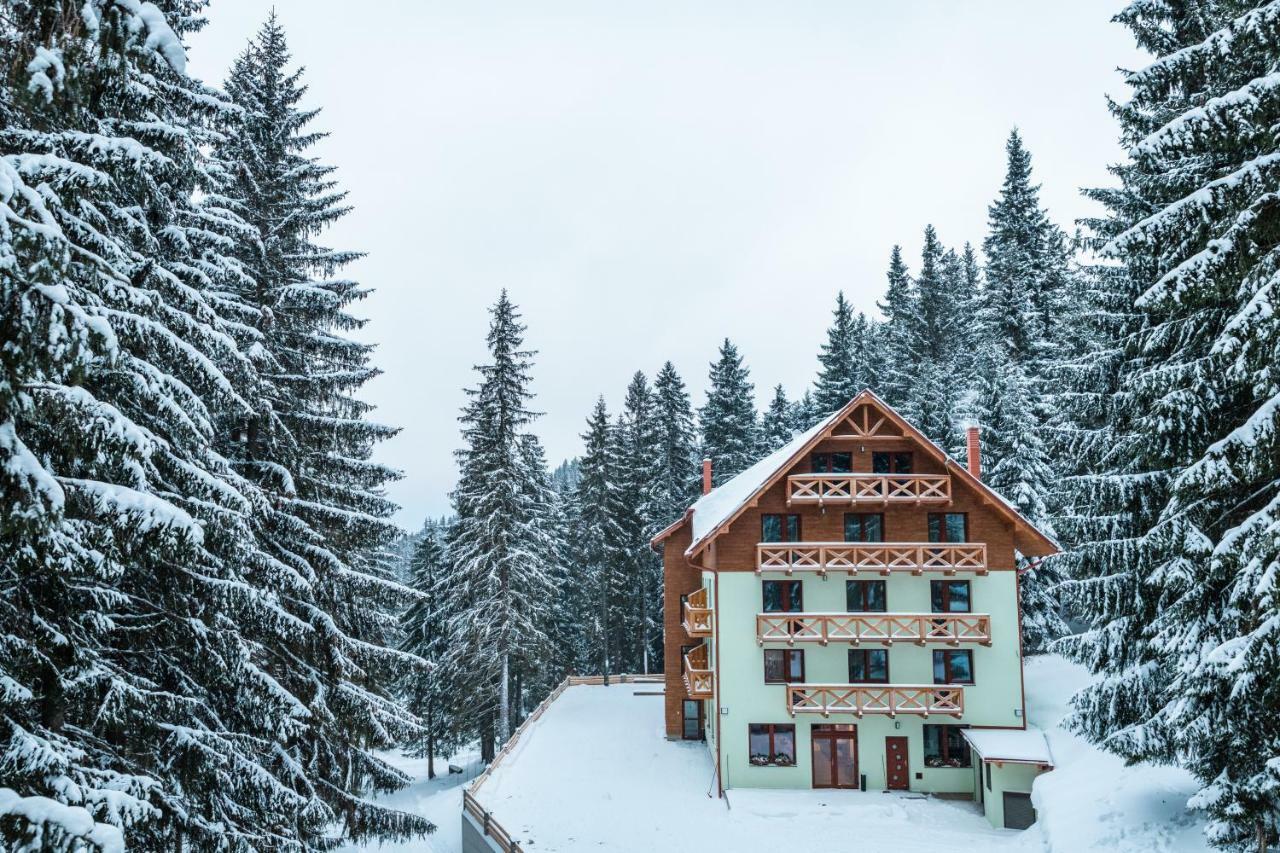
678 578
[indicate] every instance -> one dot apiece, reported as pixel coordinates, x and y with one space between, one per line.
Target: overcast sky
649 177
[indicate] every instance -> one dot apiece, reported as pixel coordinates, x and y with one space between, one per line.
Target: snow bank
51 816
1091 802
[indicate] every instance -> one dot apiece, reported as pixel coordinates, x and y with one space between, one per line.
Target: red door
895 750
835 756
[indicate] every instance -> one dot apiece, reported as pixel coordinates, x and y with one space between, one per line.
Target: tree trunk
504 700
431 748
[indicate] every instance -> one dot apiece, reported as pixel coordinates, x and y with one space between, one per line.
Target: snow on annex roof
719 506
1019 746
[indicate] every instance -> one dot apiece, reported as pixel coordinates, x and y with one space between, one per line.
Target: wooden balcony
699 680
823 489
882 628
697 615
882 557
887 699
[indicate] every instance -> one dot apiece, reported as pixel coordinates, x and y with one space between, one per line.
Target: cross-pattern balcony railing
697 614
886 699
699 680
868 488
882 628
882 557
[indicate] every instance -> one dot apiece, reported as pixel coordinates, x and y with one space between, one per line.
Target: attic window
832 463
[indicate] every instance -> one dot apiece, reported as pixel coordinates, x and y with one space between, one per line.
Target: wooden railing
697 615
868 488
699 680
483 817
883 628
882 557
887 699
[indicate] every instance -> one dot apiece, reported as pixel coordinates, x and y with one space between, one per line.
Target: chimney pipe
974 446
706 475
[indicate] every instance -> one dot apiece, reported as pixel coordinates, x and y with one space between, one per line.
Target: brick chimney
706 475
974 447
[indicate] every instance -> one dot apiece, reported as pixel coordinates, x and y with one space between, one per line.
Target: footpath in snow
596 773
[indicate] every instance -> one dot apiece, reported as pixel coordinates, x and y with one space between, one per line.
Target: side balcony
882 628
880 557
824 489
699 679
881 699
698 619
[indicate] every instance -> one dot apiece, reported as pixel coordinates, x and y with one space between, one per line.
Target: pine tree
933 397
423 626
676 482
777 424
499 584
730 434
843 357
1177 581
898 340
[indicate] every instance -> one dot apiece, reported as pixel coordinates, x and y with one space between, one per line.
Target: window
783 666
890 463
863 527
775 527
953 666
945 746
782 597
772 745
988 776
865 596
832 463
868 666
950 596
948 527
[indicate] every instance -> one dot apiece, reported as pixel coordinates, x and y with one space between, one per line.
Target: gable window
832 463
863 527
772 744
945 746
948 527
777 527
953 666
868 666
865 596
950 596
783 666
884 462
782 597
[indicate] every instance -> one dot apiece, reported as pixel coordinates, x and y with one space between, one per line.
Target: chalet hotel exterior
844 614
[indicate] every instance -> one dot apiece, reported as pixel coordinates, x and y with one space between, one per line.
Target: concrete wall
992 701
473 838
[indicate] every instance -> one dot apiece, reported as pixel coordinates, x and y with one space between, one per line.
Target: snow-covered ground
596 773
438 799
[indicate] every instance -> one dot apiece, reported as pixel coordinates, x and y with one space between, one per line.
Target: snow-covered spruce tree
843 358
677 479
423 635
777 422
899 344
1185 609
934 394
139 683
635 438
730 434
804 412
597 545
498 585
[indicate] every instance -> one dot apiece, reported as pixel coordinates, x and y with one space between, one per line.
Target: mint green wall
741 688
1009 777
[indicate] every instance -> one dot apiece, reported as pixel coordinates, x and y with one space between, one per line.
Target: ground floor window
945 746
772 744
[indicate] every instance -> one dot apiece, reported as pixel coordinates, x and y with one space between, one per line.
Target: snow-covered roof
719 505
1019 745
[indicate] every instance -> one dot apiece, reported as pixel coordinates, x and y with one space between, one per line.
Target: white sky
649 177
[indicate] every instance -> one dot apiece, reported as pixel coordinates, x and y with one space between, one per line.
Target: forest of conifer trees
210 629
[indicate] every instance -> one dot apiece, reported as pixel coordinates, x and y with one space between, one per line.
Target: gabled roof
715 510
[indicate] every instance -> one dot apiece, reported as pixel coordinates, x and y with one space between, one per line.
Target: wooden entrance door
835 756
693 726
897 767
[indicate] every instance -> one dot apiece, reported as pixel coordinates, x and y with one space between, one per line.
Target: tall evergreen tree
635 437
1177 580
898 340
676 481
499 584
844 369
777 424
933 397
730 434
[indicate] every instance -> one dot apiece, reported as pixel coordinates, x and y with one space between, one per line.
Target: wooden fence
472 807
